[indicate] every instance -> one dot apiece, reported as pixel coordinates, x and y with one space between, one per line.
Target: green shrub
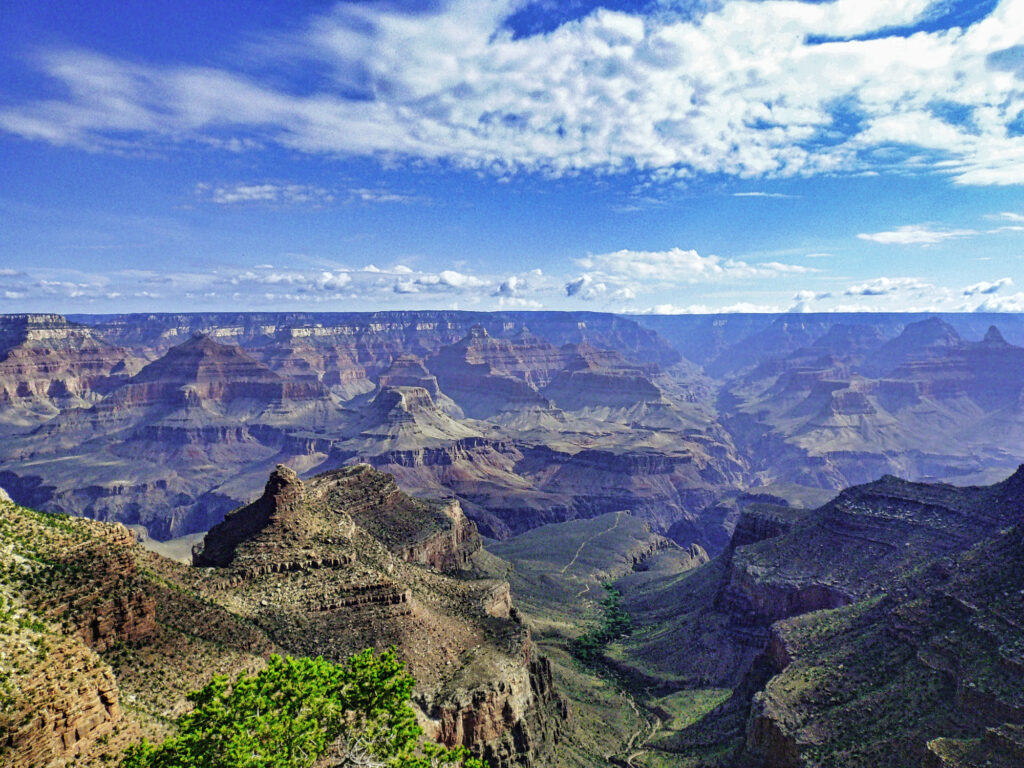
297 711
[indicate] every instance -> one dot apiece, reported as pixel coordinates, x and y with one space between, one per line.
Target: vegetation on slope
615 623
296 712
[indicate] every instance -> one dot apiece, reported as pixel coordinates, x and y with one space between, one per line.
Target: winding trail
579 549
649 726
654 724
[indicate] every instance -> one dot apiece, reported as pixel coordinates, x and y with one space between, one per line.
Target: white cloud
988 288
335 281
744 91
705 309
1012 303
884 286
803 300
366 195
678 266
777 195
275 194
916 234
585 287
510 287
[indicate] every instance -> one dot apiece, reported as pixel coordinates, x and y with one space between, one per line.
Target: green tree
615 622
298 712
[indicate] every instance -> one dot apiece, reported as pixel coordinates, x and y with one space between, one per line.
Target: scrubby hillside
106 638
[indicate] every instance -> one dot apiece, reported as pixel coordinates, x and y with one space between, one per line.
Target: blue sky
659 156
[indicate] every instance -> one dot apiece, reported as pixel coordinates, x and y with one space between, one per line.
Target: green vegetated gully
670 713
615 622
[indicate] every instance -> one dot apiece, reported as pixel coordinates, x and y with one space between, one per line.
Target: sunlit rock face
344 560
48 365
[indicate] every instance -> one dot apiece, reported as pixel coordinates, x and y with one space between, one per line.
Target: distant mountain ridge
527 418
448 401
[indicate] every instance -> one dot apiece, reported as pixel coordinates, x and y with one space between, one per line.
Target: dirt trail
648 725
579 549
647 730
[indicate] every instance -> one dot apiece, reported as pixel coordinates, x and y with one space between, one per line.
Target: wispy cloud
268 193
742 307
884 286
777 195
611 91
916 234
366 195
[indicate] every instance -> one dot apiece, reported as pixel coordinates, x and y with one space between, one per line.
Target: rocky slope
883 628
102 640
345 560
105 638
931 673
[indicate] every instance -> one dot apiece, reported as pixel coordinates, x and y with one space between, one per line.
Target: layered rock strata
346 560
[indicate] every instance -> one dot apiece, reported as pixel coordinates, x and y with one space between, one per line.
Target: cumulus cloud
988 288
916 234
802 300
510 287
1011 303
586 288
765 89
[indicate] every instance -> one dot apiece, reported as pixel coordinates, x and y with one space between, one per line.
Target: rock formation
227 397
883 628
486 376
323 567
48 365
345 560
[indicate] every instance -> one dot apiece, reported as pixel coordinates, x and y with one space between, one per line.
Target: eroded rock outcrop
90 621
48 365
345 560
66 705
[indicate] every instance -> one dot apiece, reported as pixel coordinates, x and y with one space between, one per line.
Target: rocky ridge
345 560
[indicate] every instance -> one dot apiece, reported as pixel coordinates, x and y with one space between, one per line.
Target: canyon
527 418
812 521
